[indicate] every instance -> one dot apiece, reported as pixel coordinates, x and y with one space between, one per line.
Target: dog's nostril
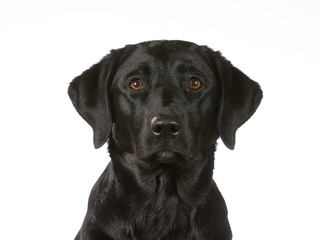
174 128
156 128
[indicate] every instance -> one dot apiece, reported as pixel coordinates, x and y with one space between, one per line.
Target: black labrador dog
161 105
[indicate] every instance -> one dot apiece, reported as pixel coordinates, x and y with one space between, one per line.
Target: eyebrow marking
189 69
186 65
142 69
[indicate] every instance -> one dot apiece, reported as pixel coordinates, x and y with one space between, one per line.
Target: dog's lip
165 156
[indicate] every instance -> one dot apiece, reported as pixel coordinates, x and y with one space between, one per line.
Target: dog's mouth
165 157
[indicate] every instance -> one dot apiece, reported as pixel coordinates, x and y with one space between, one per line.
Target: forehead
166 55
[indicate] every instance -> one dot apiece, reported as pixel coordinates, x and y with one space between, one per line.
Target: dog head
164 100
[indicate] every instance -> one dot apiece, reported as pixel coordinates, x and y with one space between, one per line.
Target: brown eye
195 84
136 84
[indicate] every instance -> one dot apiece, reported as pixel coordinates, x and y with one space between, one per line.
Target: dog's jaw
168 198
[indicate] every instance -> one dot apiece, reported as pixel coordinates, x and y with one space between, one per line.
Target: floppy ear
239 99
88 93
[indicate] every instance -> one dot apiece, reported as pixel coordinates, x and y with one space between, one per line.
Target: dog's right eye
136 84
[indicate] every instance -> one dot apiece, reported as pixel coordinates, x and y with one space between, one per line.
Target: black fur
162 139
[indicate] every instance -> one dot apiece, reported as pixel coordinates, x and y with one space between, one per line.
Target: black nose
164 126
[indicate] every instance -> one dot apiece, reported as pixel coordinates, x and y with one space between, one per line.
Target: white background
48 164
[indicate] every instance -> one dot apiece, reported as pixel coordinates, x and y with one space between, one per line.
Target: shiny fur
162 139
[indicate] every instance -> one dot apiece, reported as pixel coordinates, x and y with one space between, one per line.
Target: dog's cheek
208 122
144 140
122 130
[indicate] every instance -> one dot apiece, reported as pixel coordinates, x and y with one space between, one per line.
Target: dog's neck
170 179
168 196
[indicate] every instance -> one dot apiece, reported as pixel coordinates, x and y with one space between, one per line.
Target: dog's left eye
136 84
195 83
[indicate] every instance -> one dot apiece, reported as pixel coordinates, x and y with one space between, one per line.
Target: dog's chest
162 215
161 219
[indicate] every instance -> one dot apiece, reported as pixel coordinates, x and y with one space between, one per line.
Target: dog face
164 101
